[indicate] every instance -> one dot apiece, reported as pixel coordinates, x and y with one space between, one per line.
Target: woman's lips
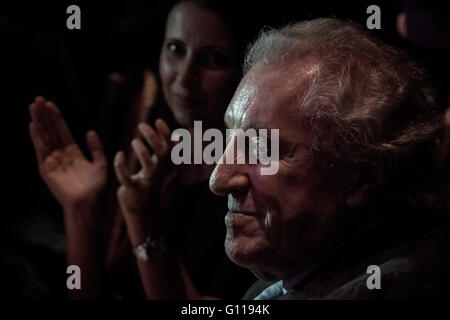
187 100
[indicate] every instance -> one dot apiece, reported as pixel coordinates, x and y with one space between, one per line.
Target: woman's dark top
199 234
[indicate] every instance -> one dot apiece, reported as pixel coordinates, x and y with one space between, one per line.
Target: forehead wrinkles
265 89
237 113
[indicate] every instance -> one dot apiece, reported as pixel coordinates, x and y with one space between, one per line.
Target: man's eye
256 149
263 149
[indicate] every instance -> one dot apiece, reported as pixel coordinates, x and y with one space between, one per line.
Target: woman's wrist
82 215
140 228
138 233
81 205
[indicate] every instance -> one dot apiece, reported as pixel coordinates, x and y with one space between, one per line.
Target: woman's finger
41 115
95 147
52 125
163 128
39 144
143 154
154 139
37 120
164 131
121 170
62 130
47 125
33 109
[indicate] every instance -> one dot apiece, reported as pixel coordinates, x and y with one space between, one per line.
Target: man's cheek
266 192
273 227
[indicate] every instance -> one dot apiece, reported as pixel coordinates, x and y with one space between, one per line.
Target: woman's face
198 66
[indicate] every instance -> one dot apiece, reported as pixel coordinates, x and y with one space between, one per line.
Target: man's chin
254 260
244 254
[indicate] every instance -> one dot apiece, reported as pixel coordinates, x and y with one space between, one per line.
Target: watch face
157 248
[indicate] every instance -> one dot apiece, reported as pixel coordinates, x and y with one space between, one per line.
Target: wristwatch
151 249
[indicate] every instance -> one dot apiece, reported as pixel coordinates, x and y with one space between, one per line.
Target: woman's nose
188 73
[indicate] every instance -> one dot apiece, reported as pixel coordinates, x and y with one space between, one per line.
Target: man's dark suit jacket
412 267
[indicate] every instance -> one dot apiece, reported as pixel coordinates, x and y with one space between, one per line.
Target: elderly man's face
278 223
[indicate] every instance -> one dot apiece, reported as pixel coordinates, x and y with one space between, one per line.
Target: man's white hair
367 102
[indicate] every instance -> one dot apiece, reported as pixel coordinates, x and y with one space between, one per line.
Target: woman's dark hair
242 19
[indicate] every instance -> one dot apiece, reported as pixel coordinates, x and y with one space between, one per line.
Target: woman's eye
216 60
175 48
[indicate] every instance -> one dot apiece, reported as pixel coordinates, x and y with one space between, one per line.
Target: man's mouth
242 212
233 217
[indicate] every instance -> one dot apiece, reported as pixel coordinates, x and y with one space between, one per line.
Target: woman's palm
71 177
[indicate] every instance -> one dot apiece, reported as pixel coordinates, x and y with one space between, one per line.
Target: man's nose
229 177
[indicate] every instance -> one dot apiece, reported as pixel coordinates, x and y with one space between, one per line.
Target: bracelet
151 248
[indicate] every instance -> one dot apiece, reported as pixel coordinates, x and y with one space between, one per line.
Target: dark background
40 56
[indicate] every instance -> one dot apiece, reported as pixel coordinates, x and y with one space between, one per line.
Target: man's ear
366 184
